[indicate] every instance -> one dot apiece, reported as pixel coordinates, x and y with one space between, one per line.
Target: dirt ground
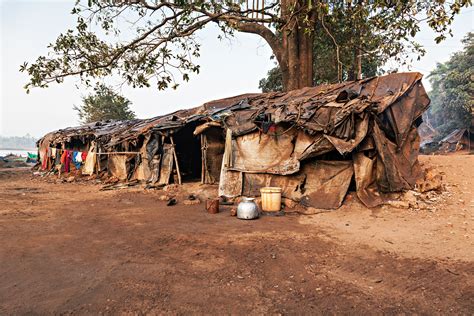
69 248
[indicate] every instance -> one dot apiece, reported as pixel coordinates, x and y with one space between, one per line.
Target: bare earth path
70 248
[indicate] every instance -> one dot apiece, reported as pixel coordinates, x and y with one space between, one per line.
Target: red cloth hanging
63 156
44 163
67 160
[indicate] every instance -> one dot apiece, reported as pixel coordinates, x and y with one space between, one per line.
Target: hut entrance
213 147
188 151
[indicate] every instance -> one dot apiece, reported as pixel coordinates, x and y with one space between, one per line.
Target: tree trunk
359 64
294 50
296 63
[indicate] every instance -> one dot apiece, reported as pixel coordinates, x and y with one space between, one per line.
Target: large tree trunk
294 50
296 61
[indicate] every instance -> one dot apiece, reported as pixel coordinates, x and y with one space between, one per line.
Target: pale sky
227 68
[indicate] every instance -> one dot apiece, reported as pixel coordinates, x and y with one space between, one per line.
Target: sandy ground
72 249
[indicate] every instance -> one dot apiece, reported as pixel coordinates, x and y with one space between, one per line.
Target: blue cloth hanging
75 160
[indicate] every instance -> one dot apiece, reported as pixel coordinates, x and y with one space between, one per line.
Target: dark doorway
188 151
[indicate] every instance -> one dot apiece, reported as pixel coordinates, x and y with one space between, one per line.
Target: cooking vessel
247 209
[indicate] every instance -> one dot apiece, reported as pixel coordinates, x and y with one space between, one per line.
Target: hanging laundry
44 162
78 156
84 156
90 161
63 157
75 156
57 160
67 160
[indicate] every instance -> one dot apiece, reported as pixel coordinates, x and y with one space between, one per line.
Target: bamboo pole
97 160
203 157
176 160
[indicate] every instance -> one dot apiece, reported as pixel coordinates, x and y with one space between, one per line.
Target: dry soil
68 248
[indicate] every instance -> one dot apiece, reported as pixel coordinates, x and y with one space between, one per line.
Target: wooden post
203 160
97 159
176 160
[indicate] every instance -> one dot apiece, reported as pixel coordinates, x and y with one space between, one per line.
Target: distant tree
104 104
17 142
452 94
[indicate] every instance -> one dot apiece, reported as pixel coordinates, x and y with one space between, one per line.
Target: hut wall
117 166
258 160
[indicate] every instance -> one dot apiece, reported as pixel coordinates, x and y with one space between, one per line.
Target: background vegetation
452 94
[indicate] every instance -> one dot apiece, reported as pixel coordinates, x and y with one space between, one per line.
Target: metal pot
247 209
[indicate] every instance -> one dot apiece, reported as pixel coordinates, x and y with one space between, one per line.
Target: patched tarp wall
366 128
259 160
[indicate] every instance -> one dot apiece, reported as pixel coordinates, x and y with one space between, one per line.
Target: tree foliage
452 94
163 47
339 44
104 104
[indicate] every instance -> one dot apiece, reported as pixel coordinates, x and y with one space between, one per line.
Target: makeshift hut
458 140
314 143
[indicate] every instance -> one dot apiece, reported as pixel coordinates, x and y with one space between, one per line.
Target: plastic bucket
271 199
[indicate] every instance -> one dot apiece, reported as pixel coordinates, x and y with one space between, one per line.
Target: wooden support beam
203 157
176 160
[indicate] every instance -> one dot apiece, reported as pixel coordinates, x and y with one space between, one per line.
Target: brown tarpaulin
212 147
257 152
327 183
117 166
370 125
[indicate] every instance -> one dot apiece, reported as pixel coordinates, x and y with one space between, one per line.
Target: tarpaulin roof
454 137
326 108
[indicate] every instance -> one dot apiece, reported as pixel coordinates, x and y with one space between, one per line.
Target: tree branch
261 30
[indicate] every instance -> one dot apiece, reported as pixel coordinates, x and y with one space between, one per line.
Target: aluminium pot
247 209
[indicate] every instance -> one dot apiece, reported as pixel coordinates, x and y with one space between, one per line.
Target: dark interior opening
76 145
188 151
352 185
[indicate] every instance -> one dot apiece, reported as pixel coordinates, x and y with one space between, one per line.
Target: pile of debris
429 191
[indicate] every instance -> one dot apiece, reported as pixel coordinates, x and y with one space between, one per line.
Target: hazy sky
227 68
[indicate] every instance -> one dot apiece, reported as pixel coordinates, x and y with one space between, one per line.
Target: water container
271 199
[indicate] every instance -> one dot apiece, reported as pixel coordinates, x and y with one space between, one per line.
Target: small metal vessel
247 209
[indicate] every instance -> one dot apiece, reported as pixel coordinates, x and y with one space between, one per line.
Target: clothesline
104 153
118 152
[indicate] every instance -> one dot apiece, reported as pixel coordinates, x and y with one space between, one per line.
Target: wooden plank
175 159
